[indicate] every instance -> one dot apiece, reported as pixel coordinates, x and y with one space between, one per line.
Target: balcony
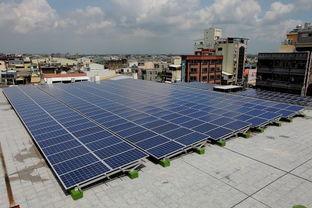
297 71
280 71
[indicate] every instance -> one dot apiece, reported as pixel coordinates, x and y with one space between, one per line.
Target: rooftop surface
272 169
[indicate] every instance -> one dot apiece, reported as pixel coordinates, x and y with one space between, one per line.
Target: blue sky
143 26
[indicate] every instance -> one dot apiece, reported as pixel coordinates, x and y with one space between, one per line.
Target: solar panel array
258 93
214 114
87 130
277 96
77 149
158 137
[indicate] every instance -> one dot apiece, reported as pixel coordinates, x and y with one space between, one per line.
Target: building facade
286 72
202 67
233 50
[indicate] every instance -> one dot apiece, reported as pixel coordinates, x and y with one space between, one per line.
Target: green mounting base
133 174
76 194
246 135
287 119
221 143
259 129
277 124
200 151
299 206
165 163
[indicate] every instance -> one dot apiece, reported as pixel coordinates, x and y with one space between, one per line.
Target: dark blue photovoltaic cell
209 117
68 154
165 128
286 113
295 108
270 115
165 149
155 124
88 131
237 125
141 136
113 150
151 142
124 158
51 134
55 140
222 121
243 117
95 137
145 120
122 126
255 112
181 120
177 133
131 131
257 121
74 163
218 133
60 147
103 143
192 123
83 174
192 138
205 127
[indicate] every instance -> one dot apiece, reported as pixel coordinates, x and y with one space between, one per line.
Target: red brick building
203 67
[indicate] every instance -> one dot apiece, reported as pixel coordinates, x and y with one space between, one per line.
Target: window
212 77
219 49
205 70
193 79
211 69
193 71
204 78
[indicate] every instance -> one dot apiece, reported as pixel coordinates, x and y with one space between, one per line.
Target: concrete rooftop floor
272 169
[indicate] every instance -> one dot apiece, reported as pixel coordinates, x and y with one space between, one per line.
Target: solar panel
277 96
141 129
71 144
167 120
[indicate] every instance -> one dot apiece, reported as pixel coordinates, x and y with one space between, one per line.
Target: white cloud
278 10
28 15
231 11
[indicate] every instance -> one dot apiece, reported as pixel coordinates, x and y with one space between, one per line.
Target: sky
143 26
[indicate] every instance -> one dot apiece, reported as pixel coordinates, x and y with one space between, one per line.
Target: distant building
286 72
202 67
116 64
176 60
65 78
172 74
152 74
2 66
298 39
133 63
233 50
